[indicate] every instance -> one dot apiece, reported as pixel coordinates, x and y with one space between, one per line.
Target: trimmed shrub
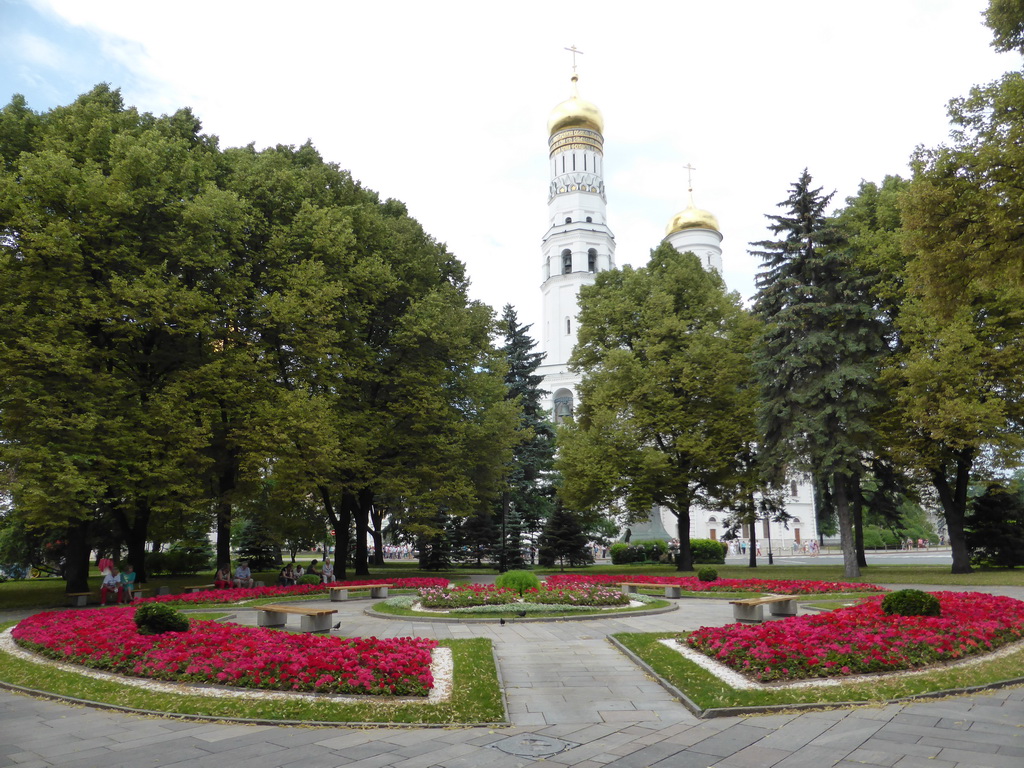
157 618
707 574
517 580
707 551
638 552
620 553
910 602
310 578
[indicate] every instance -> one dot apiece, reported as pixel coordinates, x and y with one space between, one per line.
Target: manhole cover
532 745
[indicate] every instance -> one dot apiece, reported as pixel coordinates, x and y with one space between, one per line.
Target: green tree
106 302
388 390
995 526
530 499
817 361
1006 20
959 402
563 541
665 356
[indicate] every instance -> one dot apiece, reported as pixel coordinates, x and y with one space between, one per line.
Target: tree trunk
377 532
954 508
857 505
136 541
851 569
361 508
682 512
77 557
340 520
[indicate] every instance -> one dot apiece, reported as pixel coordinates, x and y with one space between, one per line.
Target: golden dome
575 112
692 218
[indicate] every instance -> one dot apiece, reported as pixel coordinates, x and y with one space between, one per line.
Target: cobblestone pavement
573 700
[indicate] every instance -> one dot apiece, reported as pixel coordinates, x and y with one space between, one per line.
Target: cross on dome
574 50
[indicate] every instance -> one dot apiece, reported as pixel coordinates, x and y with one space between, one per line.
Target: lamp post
768 530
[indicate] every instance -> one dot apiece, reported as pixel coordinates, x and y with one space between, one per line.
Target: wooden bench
751 610
313 619
376 591
199 588
78 599
631 588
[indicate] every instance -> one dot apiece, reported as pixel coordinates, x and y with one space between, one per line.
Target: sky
444 105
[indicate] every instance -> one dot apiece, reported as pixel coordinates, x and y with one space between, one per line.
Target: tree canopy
665 357
182 323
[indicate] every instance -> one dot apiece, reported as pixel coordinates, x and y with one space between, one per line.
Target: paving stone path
573 700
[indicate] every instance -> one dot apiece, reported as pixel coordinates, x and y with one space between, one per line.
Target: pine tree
563 541
817 360
530 476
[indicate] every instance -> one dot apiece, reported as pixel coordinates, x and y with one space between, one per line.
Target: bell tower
578 243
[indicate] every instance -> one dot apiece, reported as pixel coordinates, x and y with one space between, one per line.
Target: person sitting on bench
111 583
243 576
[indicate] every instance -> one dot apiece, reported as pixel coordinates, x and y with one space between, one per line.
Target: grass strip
707 691
476 695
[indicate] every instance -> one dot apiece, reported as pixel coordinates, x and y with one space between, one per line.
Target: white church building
577 245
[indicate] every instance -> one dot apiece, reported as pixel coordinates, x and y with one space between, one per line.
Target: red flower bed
224 654
237 595
693 584
861 639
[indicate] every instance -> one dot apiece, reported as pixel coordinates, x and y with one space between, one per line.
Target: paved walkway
573 701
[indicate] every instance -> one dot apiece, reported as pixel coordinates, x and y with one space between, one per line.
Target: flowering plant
471 595
862 639
238 595
596 595
466 596
693 584
227 654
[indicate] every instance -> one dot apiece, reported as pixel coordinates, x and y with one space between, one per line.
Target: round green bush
310 578
157 618
910 602
518 580
707 574
707 551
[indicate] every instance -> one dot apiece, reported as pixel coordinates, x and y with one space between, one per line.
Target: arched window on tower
568 326
566 261
563 405
592 260
792 488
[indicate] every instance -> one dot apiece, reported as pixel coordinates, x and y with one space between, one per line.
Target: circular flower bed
693 584
226 654
862 639
477 595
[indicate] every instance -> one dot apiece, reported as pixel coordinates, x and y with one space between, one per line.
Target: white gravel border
441 667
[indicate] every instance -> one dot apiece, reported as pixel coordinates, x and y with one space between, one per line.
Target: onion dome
692 217
575 112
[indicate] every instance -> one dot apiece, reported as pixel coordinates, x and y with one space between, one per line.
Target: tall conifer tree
816 360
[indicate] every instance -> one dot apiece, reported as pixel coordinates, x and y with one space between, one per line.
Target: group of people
241 579
292 573
117 585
